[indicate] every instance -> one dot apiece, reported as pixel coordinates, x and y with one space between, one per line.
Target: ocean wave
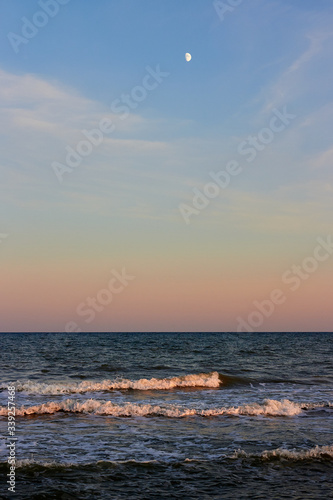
211 380
268 408
317 453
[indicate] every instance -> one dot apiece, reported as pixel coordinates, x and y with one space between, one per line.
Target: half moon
188 57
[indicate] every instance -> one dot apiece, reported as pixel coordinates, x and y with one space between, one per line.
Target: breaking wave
269 408
211 380
318 453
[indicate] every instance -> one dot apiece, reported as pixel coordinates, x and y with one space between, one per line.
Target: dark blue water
150 416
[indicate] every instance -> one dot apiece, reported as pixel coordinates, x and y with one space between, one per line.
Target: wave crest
211 380
268 408
318 453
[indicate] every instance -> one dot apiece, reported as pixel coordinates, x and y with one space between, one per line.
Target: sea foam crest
268 408
278 454
198 380
318 452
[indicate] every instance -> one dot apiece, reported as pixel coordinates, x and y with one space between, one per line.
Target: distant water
157 416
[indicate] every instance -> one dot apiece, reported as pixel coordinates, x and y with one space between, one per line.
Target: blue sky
123 198
103 49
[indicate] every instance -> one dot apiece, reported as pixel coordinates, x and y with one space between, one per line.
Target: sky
141 192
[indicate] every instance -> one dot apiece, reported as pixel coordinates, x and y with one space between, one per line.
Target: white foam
198 380
269 408
278 454
282 453
31 462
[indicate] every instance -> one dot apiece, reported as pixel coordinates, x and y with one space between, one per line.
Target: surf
268 408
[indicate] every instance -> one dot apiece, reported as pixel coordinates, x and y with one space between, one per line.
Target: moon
188 57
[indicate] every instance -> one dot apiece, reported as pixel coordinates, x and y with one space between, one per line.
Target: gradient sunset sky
119 208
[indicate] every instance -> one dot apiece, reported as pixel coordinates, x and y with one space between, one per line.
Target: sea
167 415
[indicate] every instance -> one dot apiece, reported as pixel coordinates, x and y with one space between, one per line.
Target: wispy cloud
297 79
43 118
